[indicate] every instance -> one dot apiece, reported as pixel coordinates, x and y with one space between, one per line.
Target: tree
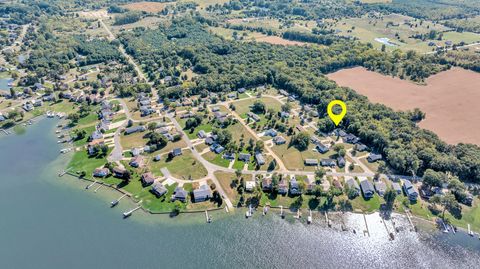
319 174
152 126
259 146
301 141
389 197
434 179
448 202
258 107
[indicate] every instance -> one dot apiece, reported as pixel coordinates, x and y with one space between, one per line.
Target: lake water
51 222
4 84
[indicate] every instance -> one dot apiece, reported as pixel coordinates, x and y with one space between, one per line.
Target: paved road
451 48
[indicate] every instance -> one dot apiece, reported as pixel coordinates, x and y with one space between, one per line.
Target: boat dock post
91 185
366 225
100 185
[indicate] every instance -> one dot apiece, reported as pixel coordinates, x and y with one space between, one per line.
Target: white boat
249 212
309 218
265 210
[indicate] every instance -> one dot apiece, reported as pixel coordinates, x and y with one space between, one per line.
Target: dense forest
226 65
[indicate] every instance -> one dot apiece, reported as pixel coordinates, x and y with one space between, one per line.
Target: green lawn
367 206
82 162
182 166
216 159
83 142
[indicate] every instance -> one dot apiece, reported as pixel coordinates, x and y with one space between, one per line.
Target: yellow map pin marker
336 118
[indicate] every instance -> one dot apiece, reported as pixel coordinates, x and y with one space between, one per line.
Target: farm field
449 103
399 29
153 7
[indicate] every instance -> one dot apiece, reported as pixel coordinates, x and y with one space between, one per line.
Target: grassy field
225 179
216 159
82 162
367 206
399 29
182 167
133 140
294 159
243 106
84 141
205 126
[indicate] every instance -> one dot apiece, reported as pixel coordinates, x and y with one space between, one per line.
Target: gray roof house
380 187
245 157
259 159
409 190
374 157
283 186
294 187
367 189
201 194
176 152
353 185
396 187
148 179
341 161
322 148
158 189
180 194
201 134
328 162
134 129
310 162
279 140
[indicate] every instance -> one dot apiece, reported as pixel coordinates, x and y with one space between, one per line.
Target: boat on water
114 203
127 214
282 215
265 210
309 218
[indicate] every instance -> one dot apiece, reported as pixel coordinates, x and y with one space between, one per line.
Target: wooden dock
366 225
127 214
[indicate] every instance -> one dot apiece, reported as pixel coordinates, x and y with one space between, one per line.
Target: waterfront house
372 157
158 189
353 185
180 195
201 194
94 146
321 148
27 106
309 184
101 172
250 185
367 189
137 162
380 187
147 179
311 162
119 172
279 140
259 159
336 183
294 187
396 187
245 157
267 185
409 190
328 162
176 152
283 186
